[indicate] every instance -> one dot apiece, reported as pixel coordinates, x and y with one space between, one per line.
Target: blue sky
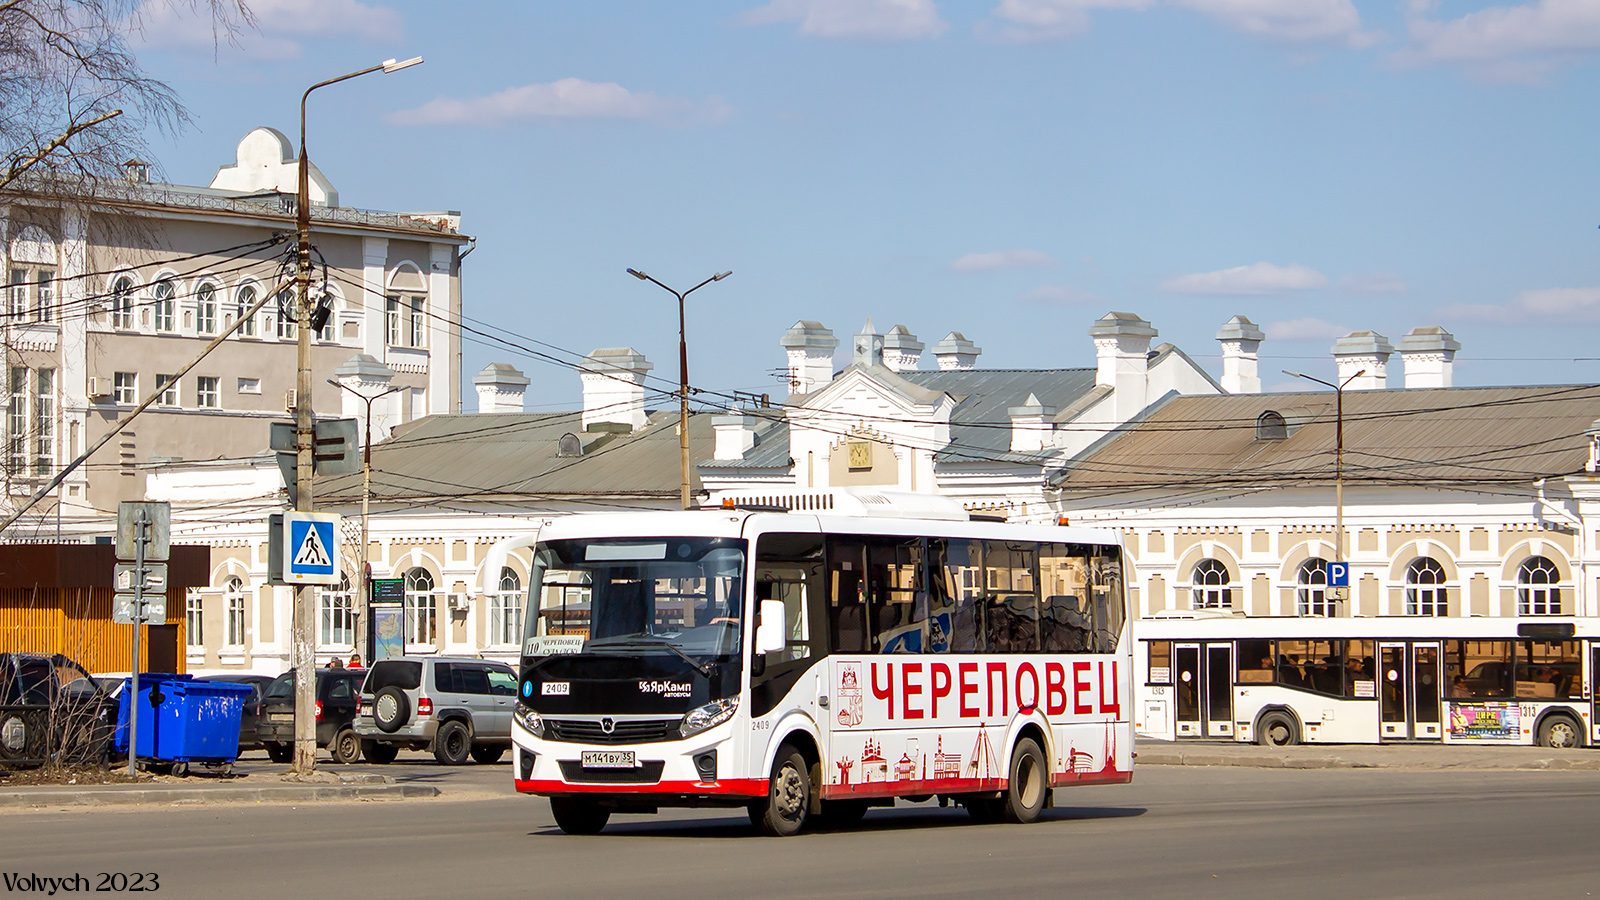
1011 169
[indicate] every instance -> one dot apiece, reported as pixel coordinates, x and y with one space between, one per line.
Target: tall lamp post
302 647
366 495
1338 455
683 378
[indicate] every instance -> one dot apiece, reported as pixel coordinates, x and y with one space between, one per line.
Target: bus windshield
632 596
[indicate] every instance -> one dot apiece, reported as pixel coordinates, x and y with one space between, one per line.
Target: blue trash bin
196 721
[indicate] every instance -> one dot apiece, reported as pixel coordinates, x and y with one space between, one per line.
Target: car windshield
675 596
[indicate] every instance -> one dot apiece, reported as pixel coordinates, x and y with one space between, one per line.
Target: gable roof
980 429
1437 437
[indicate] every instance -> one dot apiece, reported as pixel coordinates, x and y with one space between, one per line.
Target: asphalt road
1181 832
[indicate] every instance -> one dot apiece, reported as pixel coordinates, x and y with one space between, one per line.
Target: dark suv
336 709
50 708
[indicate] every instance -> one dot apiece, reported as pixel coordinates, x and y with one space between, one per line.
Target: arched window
288 314
166 306
1312 588
337 615
1212 585
419 610
331 301
122 302
505 609
1426 594
1271 427
246 299
205 309
233 598
1537 590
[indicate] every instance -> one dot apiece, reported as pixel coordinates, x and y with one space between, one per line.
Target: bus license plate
608 759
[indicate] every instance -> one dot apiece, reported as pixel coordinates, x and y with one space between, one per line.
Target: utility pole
683 380
1338 456
366 499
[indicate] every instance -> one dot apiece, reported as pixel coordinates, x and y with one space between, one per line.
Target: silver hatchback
457 707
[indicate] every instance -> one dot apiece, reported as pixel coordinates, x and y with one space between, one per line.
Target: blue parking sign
1338 574
311 548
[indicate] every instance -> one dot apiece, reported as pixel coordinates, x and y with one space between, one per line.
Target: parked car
51 708
455 707
336 709
250 715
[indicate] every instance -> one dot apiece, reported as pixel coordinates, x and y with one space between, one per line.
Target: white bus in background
798 664
1280 681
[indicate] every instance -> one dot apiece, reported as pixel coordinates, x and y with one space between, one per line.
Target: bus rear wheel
1029 783
576 815
788 800
1560 733
1277 730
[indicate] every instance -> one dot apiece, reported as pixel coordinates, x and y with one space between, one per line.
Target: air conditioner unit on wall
289 398
460 602
99 387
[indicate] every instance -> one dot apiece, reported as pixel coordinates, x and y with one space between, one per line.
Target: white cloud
1373 283
1002 259
1570 306
281 26
1255 279
1289 21
568 98
860 20
1044 20
1061 295
1505 43
1304 329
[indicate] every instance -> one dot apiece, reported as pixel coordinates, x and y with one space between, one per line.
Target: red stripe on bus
752 787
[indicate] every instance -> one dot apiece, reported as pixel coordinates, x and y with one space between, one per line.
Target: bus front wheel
1277 730
577 815
788 800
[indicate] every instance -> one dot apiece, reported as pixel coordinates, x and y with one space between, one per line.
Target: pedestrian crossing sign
311 551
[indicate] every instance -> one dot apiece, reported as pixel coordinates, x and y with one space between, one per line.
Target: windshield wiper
637 641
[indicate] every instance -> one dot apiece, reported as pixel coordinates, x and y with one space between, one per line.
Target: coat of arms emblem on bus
851 711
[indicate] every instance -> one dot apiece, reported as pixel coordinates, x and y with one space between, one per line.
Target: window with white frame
1213 588
125 387
169 390
193 620
420 604
1426 594
505 609
207 393
44 421
166 306
246 299
1538 587
233 598
17 295
44 295
205 309
326 333
122 303
32 294
336 623
406 321
1311 588
288 315
17 421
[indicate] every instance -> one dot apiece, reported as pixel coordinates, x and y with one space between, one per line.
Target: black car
337 690
250 715
51 709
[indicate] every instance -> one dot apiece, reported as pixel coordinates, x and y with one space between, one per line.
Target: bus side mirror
771 633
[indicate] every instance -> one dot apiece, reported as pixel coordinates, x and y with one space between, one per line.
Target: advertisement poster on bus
1484 721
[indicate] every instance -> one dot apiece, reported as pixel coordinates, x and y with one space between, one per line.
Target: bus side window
1012 607
1110 604
847 606
957 611
1064 625
897 600
1257 665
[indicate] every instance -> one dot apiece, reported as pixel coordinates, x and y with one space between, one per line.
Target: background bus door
1594 690
1409 685
1204 684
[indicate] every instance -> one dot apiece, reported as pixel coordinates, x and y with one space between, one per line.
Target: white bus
1280 681
806 664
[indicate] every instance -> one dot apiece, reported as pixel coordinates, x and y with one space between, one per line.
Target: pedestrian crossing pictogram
310 548
312 554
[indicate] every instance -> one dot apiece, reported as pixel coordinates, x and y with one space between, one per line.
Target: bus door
1425 706
1594 690
1203 679
1409 685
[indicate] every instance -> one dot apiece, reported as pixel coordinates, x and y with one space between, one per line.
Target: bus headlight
531 721
712 714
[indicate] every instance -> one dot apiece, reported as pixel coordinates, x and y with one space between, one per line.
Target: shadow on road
736 825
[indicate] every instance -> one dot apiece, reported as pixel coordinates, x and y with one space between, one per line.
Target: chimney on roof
366 377
1593 465
1366 352
868 347
137 171
1240 340
956 353
500 388
1030 424
809 347
902 352
1428 353
1122 354
736 434
613 388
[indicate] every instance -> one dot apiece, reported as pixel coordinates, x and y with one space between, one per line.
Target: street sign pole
141 536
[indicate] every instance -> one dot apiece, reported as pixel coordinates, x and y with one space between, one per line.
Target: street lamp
683 377
302 647
366 495
1338 456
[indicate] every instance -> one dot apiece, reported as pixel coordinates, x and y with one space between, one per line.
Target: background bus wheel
575 815
842 813
1029 783
1560 733
788 796
1277 730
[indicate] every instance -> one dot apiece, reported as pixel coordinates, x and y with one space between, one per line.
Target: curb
291 794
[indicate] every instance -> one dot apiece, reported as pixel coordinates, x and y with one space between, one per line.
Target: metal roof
980 428
1420 437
